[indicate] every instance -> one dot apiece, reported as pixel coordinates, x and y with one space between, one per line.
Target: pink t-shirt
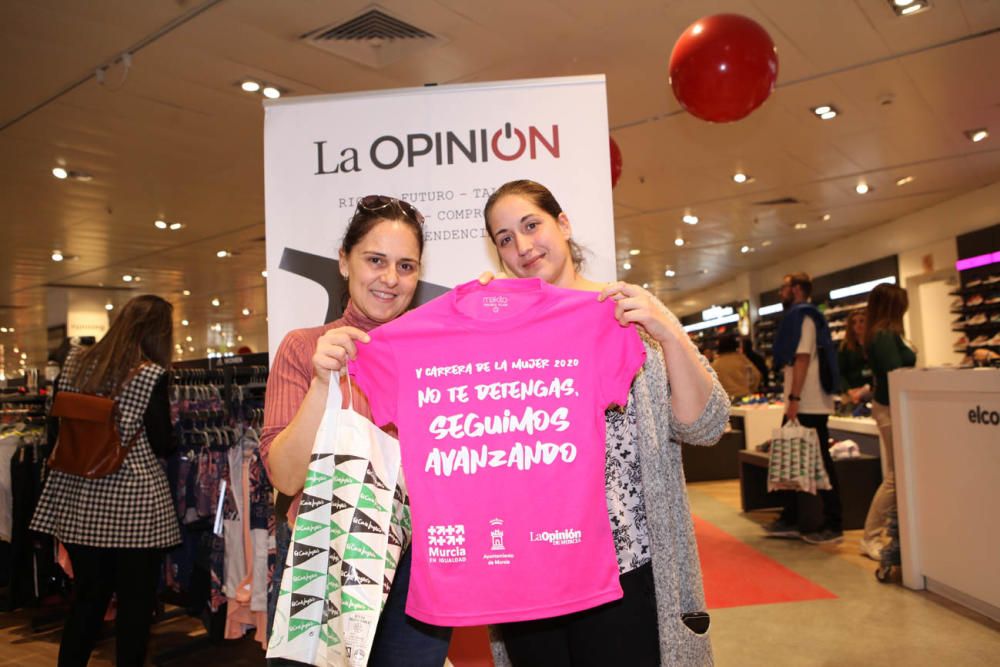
499 394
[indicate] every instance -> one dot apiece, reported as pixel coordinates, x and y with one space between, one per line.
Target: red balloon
616 163
723 67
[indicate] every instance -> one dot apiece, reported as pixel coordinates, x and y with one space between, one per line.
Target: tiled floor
868 624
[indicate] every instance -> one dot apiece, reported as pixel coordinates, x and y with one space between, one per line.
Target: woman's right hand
486 277
334 349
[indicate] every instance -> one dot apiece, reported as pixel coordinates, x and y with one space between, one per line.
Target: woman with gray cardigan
676 397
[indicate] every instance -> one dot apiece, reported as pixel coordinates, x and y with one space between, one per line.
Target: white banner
442 148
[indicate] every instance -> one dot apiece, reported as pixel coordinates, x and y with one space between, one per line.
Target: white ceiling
174 137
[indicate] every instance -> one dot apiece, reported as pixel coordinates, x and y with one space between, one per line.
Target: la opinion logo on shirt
441 147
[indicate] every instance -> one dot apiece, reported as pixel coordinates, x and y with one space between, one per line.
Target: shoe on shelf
992 279
995 341
974 283
961 342
957 303
980 341
825 536
871 548
974 300
779 528
977 319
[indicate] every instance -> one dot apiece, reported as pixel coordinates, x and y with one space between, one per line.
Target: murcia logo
445 543
496 535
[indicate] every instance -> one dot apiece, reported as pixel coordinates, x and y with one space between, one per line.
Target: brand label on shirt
495 302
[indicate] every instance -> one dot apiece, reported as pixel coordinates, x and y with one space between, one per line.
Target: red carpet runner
737 575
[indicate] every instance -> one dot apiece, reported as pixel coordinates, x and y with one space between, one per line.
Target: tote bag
345 543
796 463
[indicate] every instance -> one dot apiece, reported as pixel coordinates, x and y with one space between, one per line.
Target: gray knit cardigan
676 569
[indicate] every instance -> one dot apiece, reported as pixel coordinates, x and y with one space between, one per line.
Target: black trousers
97 573
623 632
832 512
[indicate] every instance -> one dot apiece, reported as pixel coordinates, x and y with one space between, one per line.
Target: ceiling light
627 265
223 254
263 273
191 348
188 339
826 217
250 86
24 355
185 323
862 188
109 306
764 244
60 173
160 224
271 93
186 292
138 279
679 241
246 311
975 136
904 181
57 256
825 111
239 338
634 251
3 329
216 302
860 288
740 177
909 7
645 286
670 273
127 278
16 350
174 226
902 3
690 219
745 249
800 225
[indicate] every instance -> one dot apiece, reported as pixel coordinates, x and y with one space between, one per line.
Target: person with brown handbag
106 497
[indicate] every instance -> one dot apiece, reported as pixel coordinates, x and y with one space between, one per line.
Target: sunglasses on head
376 203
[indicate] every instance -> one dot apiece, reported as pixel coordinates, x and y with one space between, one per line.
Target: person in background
675 397
804 349
755 359
887 351
739 377
380 260
855 373
116 528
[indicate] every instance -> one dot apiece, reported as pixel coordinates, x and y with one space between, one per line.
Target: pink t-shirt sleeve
375 372
621 356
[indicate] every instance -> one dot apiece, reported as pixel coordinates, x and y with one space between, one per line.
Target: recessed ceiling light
670 273
161 224
975 136
679 241
902 3
186 292
825 111
188 339
740 177
109 306
263 273
191 348
645 286
216 302
271 93
57 256
174 226
250 86
127 278
239 338
60 173
138 279
3 330
909 7
826 217
246 311
800 225
185 323
745 249
634 251
862 188
627 265
765 244
904 181
223 254
690 219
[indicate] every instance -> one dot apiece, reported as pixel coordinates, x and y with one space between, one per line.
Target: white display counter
946 433
759 421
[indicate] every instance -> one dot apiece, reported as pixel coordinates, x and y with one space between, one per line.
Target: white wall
931 231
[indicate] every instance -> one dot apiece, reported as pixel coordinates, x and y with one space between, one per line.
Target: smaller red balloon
723 67
616 163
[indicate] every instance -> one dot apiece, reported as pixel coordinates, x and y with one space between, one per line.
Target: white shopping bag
346 541
796 463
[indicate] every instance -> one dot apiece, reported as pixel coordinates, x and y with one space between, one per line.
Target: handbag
796 463
88 444
346 543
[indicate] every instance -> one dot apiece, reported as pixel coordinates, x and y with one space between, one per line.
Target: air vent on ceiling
782 201
374 38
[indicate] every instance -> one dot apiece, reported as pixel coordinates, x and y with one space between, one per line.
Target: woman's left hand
634 304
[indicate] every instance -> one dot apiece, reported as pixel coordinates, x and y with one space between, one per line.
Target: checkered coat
131 508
